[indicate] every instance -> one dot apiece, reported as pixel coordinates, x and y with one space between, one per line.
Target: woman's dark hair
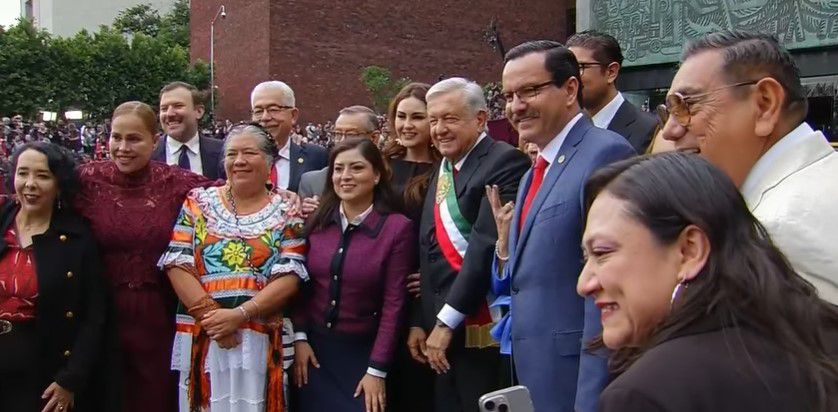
417 186
385 201
61 164
746 280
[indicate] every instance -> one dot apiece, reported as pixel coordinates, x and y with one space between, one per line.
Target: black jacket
637 126
708 367
212 160
490 163
72 310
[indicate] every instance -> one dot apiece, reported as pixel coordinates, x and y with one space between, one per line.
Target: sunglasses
678 105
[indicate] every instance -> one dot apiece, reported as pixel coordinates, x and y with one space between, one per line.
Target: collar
192 144
604 117
550 151
285 151
461 162
344 223
796 150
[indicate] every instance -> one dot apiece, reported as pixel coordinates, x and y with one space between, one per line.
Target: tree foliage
96 72
381 85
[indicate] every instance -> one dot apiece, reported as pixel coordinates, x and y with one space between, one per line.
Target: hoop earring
677 291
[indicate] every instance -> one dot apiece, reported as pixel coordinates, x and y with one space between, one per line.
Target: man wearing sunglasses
600 60
273 106
737 100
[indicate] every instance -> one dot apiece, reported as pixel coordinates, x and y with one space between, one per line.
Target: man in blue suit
550 325
273 105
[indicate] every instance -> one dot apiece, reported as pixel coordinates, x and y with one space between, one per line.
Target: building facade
320 48
67 17
653 32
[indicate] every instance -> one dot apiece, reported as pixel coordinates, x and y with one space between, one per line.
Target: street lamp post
222 12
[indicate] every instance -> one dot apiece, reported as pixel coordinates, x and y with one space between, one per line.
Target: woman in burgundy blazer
360 253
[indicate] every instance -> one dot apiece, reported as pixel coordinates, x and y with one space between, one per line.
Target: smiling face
271 110
454 126
628 272
245 163
354 178
540 117
721 126
131 143
35 185
412 126
178 114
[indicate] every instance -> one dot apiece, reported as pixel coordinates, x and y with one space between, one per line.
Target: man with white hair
457 237
273 105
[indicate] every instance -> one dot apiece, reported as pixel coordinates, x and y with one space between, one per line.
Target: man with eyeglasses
737 101
181 108
273 105
600 60
538 262
353 122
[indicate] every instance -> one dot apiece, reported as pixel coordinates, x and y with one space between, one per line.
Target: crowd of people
325 268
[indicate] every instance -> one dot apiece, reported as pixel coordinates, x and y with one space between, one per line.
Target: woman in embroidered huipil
235 259
361 251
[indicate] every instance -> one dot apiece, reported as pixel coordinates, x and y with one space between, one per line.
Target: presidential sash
452 231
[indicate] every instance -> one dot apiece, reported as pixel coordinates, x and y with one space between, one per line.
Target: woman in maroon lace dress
132 204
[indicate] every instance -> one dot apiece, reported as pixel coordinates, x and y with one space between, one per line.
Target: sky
9 12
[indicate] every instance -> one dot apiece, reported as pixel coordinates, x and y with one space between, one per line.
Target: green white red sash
452 231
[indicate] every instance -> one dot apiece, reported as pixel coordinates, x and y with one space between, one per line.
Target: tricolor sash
452 231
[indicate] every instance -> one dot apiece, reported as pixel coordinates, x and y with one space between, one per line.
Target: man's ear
768 98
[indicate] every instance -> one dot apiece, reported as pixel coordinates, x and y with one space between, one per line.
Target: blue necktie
183 159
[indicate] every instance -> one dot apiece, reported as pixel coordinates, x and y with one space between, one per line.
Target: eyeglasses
272 110
350 135
527 93
678 105
583 66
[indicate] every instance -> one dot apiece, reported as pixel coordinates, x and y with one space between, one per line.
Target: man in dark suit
273 105
457 237
353 122
181 107
550 324
600 59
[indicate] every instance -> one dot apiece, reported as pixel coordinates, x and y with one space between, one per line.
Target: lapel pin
561 159
300 160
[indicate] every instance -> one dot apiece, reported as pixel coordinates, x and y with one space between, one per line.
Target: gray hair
267 145
472 92
372 118
287 92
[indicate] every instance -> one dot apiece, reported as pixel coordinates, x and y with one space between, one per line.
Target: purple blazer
358 278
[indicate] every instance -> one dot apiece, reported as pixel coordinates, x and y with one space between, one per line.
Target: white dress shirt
604 117
193 151
283 165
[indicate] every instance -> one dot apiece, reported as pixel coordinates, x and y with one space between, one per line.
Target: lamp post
222 12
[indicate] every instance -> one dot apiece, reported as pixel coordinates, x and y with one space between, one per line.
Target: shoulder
313 150
504 152
211 143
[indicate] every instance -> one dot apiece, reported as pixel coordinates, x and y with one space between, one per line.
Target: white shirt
552 149
283 165
604 117
193 153
462 161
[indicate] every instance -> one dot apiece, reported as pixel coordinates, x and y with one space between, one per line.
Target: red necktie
274 177
535 184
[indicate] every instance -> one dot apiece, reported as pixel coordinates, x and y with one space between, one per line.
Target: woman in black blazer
52 296
703 312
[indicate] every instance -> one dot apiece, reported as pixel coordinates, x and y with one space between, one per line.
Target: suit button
63 238
436 291
334 303
69 275
69 315
329 325
514 291
67 353
432 259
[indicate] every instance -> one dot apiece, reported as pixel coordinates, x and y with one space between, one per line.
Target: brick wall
320 50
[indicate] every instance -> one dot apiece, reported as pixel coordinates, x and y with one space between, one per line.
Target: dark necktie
183 159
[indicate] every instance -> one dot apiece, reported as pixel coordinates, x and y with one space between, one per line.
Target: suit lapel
296 157
208 161
160 151
472 163
622 120
557 167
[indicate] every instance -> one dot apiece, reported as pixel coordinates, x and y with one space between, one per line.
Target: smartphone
512 399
